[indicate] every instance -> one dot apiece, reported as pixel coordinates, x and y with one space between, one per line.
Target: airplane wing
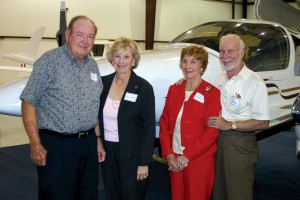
27 55
18 69
160 67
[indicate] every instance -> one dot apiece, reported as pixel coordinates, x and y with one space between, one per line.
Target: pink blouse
110 120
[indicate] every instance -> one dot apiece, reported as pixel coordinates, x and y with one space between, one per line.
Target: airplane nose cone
10 104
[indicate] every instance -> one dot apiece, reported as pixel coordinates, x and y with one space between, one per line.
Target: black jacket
136 120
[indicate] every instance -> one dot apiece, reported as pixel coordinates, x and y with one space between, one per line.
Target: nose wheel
297 132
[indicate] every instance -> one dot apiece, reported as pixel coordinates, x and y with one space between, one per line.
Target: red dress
196 180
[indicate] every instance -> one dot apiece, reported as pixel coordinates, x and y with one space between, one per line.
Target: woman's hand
183 161
172 162
101 150
142 173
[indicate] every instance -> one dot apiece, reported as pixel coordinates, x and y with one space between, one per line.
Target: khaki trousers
236 160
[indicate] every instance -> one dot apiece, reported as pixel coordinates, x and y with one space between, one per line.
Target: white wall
114 18
176 16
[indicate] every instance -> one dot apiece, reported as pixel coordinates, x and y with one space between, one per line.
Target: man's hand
219 123
38 154
179 81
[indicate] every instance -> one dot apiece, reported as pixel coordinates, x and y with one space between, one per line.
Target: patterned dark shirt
66 94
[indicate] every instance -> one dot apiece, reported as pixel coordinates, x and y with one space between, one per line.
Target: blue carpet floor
277 175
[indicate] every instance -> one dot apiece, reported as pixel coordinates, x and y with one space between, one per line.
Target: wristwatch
233 126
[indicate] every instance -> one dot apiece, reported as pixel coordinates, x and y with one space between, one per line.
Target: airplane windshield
267 46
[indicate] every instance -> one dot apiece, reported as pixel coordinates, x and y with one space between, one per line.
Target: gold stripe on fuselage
283 91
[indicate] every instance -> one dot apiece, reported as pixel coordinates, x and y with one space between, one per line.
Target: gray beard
233 66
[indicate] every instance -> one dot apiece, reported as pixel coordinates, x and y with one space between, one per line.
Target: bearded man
244 100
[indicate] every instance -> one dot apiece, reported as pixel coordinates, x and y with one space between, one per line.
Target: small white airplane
100 48
272 50
27 55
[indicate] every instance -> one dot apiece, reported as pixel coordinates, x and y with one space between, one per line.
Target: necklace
193 88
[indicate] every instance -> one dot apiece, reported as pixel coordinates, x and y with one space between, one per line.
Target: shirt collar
71 56
242 74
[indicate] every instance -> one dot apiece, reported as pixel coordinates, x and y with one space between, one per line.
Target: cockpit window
267 46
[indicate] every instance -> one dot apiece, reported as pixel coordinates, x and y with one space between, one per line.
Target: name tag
94 77
199 97
234 101
130 97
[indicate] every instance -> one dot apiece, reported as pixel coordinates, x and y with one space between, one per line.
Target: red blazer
198 139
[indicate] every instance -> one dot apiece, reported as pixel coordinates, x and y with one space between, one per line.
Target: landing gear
296 116
297 132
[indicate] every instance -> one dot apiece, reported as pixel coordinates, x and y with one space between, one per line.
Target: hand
38 154
173 163
218 123
183 161
101 151
142 173
179 81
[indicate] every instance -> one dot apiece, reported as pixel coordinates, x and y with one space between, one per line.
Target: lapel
133 87
107 81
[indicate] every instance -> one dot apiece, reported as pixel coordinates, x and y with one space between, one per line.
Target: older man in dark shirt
60 107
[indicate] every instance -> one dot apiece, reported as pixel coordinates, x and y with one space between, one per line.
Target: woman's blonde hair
121 44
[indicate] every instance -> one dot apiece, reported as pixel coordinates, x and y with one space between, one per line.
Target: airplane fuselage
270 51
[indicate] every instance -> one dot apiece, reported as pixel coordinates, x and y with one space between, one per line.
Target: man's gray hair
242 44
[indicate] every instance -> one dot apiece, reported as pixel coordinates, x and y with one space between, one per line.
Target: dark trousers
120 175
71 171
237 157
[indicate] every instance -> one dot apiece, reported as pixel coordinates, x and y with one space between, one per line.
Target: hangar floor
12 131
277 175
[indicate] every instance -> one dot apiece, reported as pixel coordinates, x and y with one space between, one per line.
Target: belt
82 134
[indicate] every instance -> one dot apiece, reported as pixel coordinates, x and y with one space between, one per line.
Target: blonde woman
127 121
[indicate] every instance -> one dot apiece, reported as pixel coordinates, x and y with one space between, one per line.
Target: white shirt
244 96
176 145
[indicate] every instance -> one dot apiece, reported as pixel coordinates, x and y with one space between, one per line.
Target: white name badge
130 97
199 97
94 77
234 101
